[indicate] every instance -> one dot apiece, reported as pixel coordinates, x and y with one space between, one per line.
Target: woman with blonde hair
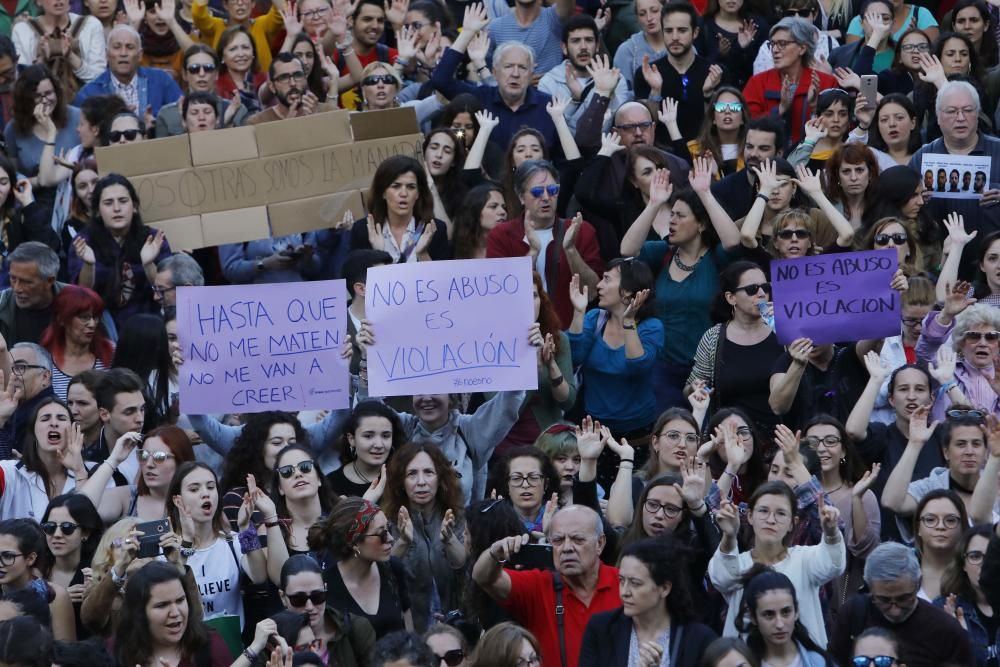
508 645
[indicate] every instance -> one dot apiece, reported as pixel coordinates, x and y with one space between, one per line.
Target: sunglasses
899 238
732 107
976 336
199 69
539 190
299 600
751 290
130 135
877 660
960 413
304 467
66 527
787 234
158 457
451 658
796 12
387 79
632 127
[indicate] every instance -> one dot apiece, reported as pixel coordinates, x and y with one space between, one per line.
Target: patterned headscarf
359 524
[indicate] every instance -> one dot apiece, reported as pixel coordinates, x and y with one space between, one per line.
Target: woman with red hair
75 338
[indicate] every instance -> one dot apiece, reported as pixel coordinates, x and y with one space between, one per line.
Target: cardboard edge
145 157
294 135
314 213
226 145
182 233
383 124
235 226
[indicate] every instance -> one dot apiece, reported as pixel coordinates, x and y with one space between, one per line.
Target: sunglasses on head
734 107
877 660
130 135
304 467
451 658
787 234
207 68
376 79
539 190
67 527
899 238
752 289
961 413
976 336
299 600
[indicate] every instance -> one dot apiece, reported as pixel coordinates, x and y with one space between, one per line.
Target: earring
351 449
357 553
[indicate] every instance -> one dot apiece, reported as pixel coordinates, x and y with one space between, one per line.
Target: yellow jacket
263 30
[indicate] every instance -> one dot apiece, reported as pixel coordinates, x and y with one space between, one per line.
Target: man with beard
287 81
141 88
736 192
681 74
572 80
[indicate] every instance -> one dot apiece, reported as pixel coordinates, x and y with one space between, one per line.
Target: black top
29 324
606 641
685 88
743 377
394 599
832 391
342 486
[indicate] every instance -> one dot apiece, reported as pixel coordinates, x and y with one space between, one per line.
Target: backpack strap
557 585
36 26
77 26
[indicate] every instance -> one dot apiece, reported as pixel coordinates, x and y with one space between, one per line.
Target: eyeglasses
744 433
753 288
787 234
797 12
304 467
828 441
314 645
299 600
653 507
315 13
451 658
289 76
47 95
383 535
912 321
533 661
974 557
67 527
7 558
781 44
632 127
963 413
86 318
22 368
877 660
976 336
780 515
954 112
376 79
532 479
158 457
904 601
899 238
731 107
673 437
206 68
933 520
922 47
130 135
540 190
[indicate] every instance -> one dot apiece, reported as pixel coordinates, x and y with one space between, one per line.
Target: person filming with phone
580 584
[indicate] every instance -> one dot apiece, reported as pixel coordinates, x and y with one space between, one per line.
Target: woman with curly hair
75 336
852 180
423 493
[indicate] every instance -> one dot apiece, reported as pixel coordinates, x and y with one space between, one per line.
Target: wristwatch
260 264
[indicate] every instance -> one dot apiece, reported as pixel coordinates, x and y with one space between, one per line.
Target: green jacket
353 642
26 7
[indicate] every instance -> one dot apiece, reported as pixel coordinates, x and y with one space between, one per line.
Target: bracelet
50 143
726 472
484 67
250 654
249 540
761 195
402 62
632 461
555 382
627 327
348 52
114 468
187 544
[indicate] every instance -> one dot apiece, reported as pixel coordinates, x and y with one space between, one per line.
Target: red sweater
763 94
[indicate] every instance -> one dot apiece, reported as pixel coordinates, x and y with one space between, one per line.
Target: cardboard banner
252 348
836 298
225 186
448 327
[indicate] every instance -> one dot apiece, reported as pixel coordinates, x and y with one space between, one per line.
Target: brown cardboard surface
235 143
235 226
305 133
147 157
386 123
306 215
182 233
168 195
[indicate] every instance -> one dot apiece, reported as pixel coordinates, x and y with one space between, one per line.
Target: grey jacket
8 318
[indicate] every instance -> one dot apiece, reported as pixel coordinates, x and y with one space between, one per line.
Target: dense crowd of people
681 489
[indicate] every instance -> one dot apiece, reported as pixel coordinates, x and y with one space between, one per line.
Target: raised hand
605 76
405 525
487 121
290 18
668 112
788 442
866 480
879 27
920 430
864 113
847 78
932 71
375 238
395 11
652 76
70 457
611 143
799 350
736 453
728 518
829 517
124 447
957 298
660 188
713 79
877 370
424 242
635 305
700 397
746 32
572 231
448 526
955 224
43 117
135 11
589 442
479 47
376 488
701 177
788 87
475 18
693 489
573 83
943 369
152 247
505 547
556 107
808 181
406 43
955 611
767 177
548 351
551 505
815 130
579 295
166 11
992 432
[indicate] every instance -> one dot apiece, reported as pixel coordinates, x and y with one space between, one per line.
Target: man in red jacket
558 248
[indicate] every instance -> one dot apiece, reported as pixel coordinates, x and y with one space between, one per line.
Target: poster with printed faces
956 176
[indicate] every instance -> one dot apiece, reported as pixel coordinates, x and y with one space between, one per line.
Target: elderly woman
380 86
75 338
974 335
791 88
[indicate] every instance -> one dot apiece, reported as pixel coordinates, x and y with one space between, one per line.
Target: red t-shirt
532 603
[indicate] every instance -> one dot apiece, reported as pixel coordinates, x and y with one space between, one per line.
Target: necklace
834 490
358 472
684 267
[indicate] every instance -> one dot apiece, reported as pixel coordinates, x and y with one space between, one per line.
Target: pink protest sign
448 327
251 348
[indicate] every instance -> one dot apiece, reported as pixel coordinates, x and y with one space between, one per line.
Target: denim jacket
985 647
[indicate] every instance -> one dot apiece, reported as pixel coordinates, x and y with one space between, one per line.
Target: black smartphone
149 541
533 557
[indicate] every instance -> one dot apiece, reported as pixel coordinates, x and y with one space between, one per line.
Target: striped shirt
60 381
544 36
